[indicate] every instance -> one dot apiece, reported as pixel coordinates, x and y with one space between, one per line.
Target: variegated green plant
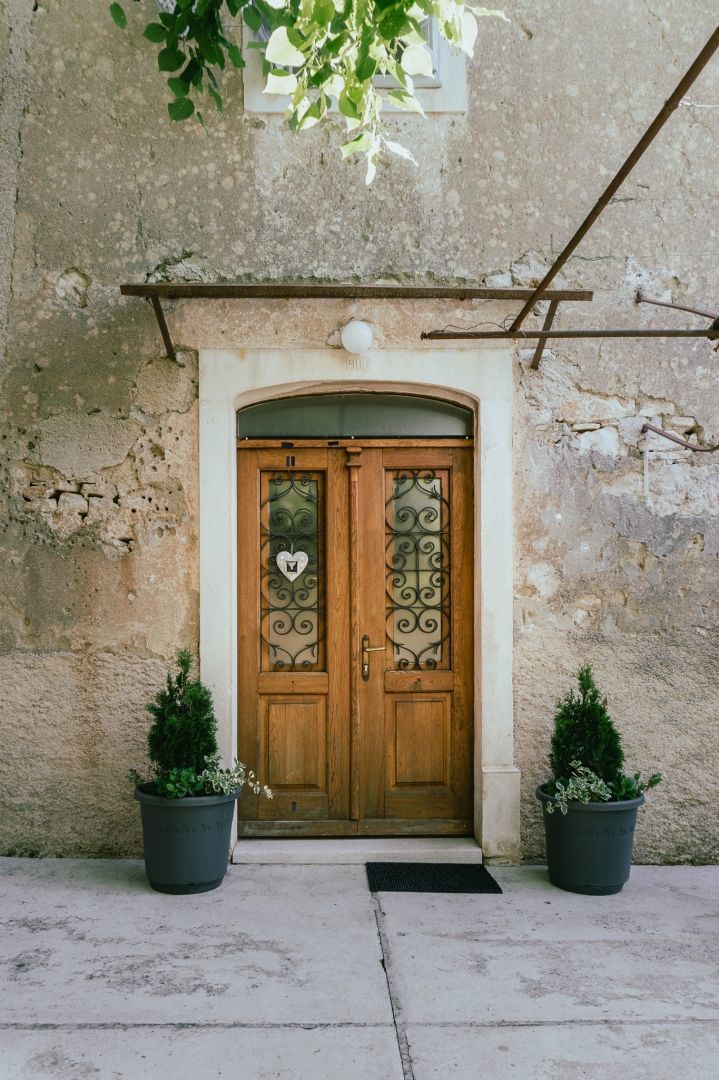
184 782
582 786
319 53
585 786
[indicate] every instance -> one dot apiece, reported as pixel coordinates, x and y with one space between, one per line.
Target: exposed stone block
100 509
630 429
592 408
38 491
654 410
500 280
99 488
604 441
682 424
71 503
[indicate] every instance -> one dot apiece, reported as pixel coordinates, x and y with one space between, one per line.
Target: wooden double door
355 572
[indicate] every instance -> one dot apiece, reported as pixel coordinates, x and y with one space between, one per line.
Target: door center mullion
354 465
369 637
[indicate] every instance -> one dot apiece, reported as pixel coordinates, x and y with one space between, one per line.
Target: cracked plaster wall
615 563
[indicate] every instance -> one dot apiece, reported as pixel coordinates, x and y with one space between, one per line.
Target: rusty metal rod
642 299
530 335
678 439
647 138
200 290
159 315
549 319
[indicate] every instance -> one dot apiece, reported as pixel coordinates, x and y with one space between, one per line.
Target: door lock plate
366 650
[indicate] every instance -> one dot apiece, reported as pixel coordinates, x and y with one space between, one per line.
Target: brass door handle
366 650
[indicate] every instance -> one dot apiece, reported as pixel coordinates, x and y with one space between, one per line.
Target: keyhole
294 807
290 459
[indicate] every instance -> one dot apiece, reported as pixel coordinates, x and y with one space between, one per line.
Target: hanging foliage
318 53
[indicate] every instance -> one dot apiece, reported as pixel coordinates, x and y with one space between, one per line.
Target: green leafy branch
319 54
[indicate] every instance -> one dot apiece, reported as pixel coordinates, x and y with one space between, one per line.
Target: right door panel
418 593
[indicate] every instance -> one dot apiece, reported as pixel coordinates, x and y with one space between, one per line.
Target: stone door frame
479 378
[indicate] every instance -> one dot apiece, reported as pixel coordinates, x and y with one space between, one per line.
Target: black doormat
430 877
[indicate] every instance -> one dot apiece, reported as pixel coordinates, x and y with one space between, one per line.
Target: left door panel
293 684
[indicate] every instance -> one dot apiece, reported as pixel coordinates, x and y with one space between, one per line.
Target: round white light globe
356 336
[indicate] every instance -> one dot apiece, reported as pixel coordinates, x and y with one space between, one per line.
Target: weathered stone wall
98 530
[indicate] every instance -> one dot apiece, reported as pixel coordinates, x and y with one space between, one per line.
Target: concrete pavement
297 972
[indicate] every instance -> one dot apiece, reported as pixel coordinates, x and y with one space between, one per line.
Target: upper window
442 91
364 414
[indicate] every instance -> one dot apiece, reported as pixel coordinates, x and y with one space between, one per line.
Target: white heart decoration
291 565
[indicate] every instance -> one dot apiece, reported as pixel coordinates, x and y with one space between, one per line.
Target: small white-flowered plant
225 781
583 786
181 783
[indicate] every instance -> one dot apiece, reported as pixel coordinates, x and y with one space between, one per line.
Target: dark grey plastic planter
187 841
589 849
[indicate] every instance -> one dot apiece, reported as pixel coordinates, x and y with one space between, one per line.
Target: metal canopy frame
154 292
541 292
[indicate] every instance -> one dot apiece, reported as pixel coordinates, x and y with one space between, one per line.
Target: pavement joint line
395 1004
481 1025
190 1025
211 1025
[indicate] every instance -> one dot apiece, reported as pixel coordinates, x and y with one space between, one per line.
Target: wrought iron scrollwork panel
292 587
418 569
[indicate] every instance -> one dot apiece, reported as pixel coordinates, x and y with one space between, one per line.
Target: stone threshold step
354 851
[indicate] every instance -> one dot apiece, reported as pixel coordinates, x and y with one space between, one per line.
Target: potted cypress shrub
589 842
187 807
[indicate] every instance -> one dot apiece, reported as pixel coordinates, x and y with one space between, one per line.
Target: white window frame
443 92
